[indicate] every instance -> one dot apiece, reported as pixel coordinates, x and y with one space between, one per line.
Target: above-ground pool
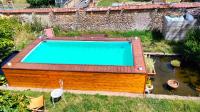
82 52
83 63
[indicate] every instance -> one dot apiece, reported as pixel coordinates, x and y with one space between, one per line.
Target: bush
13 102
192 45
6 46
13 34
22 39
2 80
7 31
36 25
8 27
40 3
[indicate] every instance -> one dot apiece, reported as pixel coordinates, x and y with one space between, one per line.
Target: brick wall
148 16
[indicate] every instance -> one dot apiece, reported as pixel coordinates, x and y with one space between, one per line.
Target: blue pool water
81 52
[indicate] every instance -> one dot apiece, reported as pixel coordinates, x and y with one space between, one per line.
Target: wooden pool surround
79 77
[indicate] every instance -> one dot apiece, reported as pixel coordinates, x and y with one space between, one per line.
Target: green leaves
6 46
192 45
2 80
40 3
13 102
110 2
36 25
13 31
37 2
8 26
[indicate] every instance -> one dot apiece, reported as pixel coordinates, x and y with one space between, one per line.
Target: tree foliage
40 3
192 45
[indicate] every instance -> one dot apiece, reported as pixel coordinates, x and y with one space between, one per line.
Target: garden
15 35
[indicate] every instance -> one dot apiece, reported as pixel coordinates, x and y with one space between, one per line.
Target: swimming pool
83 63
81 52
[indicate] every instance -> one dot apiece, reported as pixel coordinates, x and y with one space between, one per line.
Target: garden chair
58 93
37 104
49 33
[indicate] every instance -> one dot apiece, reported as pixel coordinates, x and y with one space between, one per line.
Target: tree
40 3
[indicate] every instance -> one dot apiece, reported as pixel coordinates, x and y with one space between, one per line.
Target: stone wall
103 21
138 17
126 20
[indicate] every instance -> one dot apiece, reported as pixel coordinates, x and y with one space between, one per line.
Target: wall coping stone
103 9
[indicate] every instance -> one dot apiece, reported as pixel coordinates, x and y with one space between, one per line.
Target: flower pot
148 89
173 83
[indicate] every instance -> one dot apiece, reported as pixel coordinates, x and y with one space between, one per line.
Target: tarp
175 28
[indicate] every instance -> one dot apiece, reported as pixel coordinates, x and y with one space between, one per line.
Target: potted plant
150 65
149 86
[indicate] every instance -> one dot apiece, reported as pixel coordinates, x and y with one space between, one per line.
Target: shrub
13 102
57 31
8 27
22 39
7 31
13 34
40 3
2 80
36 25
192 45
6 46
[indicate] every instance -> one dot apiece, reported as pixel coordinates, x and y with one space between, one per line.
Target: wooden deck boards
77 80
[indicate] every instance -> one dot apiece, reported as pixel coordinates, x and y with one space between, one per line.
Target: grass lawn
152 41
109 2
100 103
18 4
17 1
20 1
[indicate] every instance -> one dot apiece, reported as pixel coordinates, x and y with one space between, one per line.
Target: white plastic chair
57 93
